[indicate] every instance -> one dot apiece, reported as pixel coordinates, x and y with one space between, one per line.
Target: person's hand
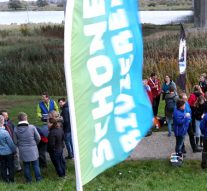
187 115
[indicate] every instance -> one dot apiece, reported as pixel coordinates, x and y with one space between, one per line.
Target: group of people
187 114
29 144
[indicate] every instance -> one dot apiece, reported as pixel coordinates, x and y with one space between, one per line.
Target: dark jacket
9 126
203 126
170 97
55 139
66 118
181 122
199 111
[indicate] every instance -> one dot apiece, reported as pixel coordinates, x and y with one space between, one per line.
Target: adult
192 100
154 84
26 138
166 86
193 145
56 143
7 149
9 126
203 127
202 82
45 106
66 126
170 104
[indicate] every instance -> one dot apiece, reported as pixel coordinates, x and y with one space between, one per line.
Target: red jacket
192 99
155 87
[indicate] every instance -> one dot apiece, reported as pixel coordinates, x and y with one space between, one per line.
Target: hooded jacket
181 122
26 138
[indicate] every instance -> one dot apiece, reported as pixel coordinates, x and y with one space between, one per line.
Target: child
181 122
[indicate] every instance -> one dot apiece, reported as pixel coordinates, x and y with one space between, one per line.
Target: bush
24 29
14 4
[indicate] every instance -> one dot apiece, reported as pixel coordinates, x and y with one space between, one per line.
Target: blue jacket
181 122
203 126
187 108
7 146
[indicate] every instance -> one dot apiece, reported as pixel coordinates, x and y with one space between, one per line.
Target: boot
197 140
201 141
204 160
196 149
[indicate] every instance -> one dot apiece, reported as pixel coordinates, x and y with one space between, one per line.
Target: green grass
141 175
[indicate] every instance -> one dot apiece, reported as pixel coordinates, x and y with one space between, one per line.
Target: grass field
156 175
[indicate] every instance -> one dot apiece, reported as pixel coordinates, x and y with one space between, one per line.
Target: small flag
182 60
110 110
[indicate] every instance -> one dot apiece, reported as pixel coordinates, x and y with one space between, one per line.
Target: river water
152 17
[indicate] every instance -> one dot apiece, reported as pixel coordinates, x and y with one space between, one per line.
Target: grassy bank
156 175
32 56
155 5
161 53
31 59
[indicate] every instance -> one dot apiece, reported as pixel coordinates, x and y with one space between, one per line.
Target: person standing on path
203 127
199 112
170 104
193 145
181 122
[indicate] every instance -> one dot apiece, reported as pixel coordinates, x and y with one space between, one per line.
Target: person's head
167 79
61 102
197 88
203 77
153 75
5 114
1 120
53 119
22 116
171 89
45 97
183 96
180 104
200 100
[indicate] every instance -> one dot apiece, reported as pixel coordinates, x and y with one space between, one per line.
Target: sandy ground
160 146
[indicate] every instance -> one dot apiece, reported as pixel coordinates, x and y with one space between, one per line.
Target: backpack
170 104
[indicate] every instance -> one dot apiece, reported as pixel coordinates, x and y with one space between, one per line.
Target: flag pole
67 64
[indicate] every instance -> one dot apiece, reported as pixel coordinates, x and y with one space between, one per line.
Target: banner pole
67 63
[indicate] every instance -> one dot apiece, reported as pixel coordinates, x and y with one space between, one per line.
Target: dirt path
160 146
